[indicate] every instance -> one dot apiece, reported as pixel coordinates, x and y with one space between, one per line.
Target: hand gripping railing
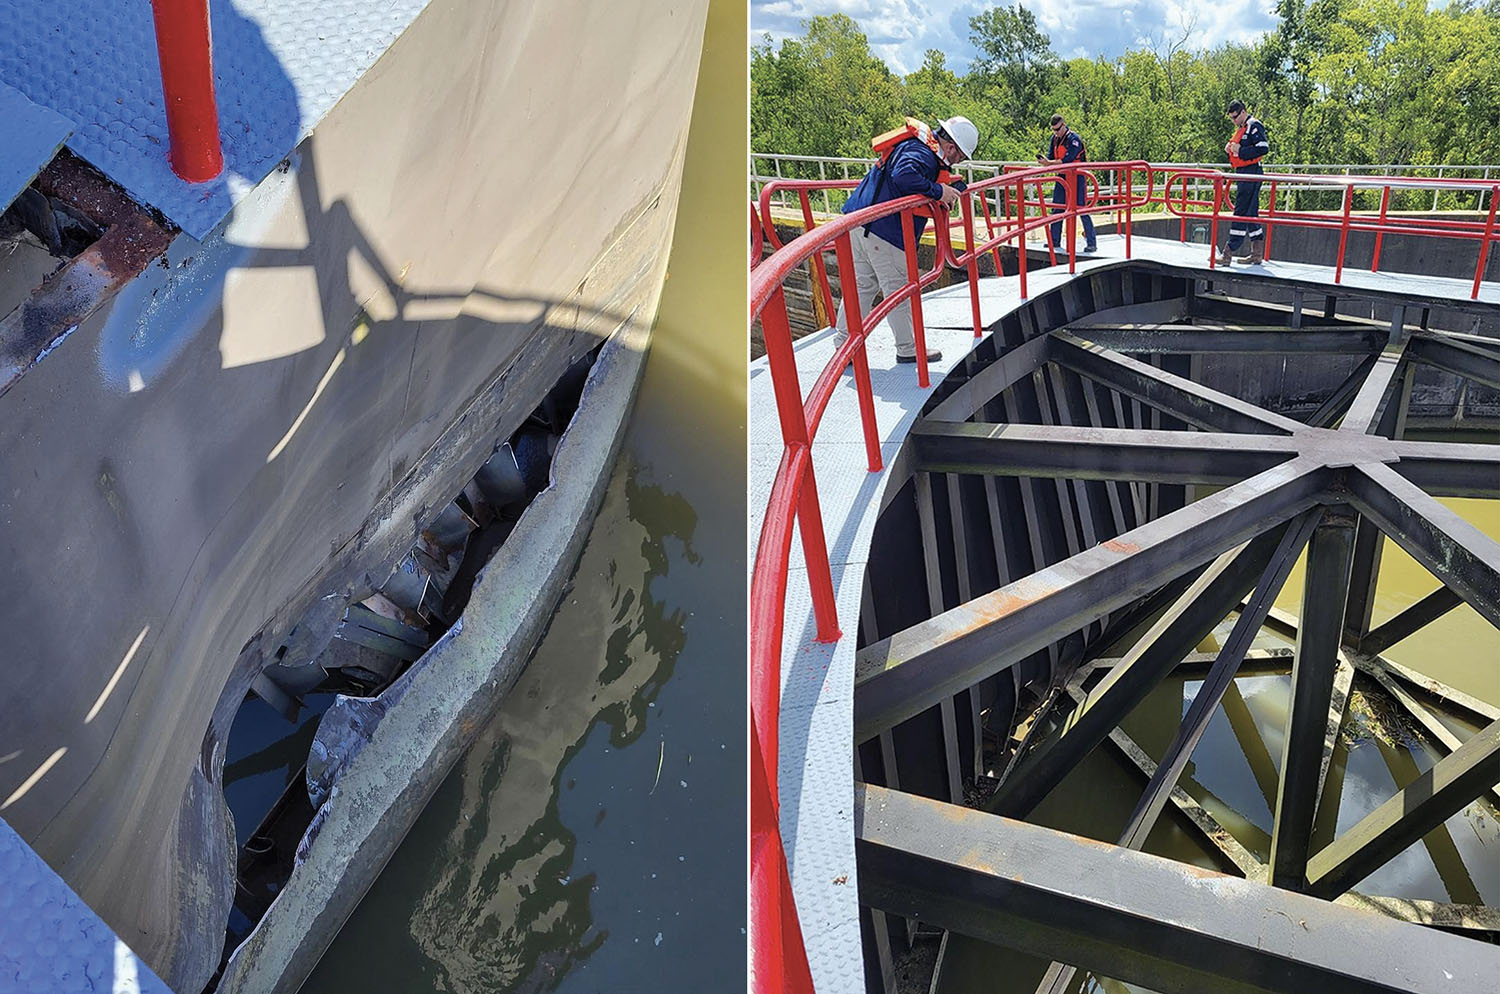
1380 225
778 956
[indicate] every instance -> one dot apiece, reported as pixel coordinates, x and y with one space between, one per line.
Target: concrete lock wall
264 418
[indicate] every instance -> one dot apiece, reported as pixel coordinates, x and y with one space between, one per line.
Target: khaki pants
878 265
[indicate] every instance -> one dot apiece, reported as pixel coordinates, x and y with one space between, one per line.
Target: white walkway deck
816 759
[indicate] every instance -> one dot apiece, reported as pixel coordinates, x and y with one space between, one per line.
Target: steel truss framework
1331 486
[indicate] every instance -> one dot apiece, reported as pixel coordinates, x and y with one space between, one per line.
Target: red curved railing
778 957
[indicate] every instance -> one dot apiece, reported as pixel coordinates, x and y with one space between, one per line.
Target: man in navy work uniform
1248 146
1065 145
911 166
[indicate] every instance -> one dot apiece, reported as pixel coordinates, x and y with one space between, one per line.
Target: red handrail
1345 221
778 956
187 83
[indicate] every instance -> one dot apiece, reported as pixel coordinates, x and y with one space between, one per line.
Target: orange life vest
1235 160
883 145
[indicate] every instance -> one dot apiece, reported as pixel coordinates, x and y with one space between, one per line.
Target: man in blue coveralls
1245 150
1065 145
878 249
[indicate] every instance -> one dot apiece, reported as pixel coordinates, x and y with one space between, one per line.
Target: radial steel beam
1193 403
1176 339
1329 558
903 675
1421 614
1343 395
1458 358
1382 383
1088 453
1445 789
991 381
1140 918
1453 550
1450 469
1219 680
1185 624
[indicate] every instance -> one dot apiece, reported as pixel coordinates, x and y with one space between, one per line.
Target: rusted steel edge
132 240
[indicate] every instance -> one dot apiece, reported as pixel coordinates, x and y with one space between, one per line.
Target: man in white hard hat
913 160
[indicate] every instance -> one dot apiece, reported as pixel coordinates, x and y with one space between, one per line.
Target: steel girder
1276 470
1141 918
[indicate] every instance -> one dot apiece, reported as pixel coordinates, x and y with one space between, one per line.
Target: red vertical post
1385 202
1129 207
972 259
783 364
820 272
187 82
989 225
1338 272
1021 238
1213 231
1270 221
855 322
1484 244
1070 211
914 281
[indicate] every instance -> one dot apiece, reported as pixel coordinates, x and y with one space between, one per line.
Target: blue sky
901 30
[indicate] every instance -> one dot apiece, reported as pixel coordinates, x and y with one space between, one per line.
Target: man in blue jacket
1245 150
1066 145
912 167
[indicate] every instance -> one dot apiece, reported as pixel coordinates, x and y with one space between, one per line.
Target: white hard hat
963 133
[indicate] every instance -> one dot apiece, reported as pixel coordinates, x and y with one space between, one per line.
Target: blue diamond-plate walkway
50 941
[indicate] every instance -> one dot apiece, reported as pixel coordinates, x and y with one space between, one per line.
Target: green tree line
1348 81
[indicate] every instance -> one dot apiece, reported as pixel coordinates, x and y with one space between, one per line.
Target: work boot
932 356
1224 258
1257 252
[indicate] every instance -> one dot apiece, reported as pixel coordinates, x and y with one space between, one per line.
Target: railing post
1338 272
1213 231
1484 244
1021 236
783 364
1385 200
1129 208
185 51
1270 221
972 257
913 280
1070 212
854 323
820 272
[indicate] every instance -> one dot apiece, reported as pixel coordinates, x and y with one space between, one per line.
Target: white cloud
900 31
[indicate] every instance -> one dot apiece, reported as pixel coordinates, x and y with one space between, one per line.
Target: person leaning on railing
1248 146
915 163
